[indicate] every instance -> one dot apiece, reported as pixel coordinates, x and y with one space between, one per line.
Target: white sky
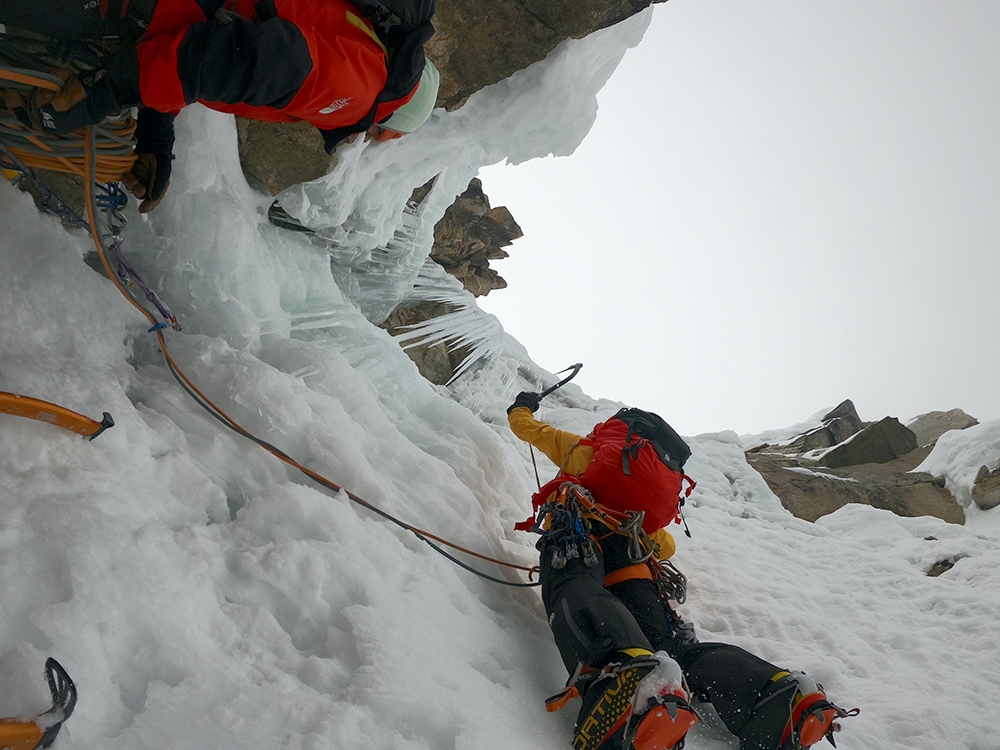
782 204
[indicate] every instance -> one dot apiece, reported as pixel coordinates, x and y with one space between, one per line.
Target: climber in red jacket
319 61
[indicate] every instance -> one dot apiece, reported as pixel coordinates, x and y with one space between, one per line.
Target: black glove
89 97
150 175
526 399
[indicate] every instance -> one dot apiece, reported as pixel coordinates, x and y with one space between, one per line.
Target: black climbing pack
403 26
394 20
670 447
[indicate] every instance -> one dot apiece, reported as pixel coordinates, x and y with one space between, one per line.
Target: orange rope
64 153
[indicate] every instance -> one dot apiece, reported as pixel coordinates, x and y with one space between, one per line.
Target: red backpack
630 469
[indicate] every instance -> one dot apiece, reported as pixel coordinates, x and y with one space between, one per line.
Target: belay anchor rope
102 154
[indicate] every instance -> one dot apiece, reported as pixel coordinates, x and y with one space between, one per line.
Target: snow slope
202 594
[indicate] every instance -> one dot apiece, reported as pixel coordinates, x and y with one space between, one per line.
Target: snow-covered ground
203 594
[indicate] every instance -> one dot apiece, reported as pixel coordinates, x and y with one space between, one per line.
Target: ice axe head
575 369
28 735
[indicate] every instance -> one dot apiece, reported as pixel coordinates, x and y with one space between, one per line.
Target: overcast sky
782 204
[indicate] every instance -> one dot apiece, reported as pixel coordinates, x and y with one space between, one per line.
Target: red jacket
313 60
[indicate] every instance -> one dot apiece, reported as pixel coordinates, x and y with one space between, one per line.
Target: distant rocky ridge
846 460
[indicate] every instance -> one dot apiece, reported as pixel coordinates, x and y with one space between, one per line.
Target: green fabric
415 112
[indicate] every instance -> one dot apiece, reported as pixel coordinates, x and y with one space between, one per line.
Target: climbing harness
566 514
21 734
43 411
561 521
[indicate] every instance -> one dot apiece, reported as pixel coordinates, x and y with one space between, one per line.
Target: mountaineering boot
812 716
661 715
612 716
808 715
607 703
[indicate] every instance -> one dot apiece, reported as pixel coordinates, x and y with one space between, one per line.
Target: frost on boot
607 704
662 714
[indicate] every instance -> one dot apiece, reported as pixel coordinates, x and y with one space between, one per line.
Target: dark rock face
838 425
932 425
878 444
480 43
470 235
276 155
842 422
435 362
873 468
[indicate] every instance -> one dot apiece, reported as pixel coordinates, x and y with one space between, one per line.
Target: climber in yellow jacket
608 616
602 605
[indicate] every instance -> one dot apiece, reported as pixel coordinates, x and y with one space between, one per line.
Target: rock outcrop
871 465
932 425
470 235
837 425
809 491
876 444
481 42
436 362
986 490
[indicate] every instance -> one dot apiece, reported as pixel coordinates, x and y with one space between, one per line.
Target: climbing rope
202 400
21 60
103 154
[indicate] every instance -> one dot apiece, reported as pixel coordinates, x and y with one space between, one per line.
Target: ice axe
18 734
575 368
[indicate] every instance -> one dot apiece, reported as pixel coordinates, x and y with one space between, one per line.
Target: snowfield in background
203 595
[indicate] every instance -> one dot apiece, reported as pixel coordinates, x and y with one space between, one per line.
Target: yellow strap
356 20
778 675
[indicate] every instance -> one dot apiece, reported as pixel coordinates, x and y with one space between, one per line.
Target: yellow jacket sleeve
665 542
559 446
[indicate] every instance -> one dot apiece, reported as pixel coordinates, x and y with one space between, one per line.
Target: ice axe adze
19 734
575 368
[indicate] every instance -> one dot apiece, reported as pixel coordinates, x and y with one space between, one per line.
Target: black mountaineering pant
588 622
734 681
